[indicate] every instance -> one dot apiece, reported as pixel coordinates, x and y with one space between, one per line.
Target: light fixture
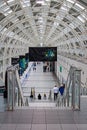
41 44
40 2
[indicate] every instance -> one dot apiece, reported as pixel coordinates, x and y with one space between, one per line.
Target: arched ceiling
61 23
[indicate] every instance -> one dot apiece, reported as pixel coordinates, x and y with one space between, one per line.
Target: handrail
20 89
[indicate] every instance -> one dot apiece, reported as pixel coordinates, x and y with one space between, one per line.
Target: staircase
41 82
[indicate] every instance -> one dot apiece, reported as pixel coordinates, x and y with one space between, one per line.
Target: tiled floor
45 117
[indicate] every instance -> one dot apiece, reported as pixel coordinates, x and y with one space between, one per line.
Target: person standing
61 89
55 89
61 95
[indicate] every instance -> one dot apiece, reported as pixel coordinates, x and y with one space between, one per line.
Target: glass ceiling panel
80 6
2 4
71 1
67 4
1 28
5 29
84 14
45 15
9 1
25 3
81 19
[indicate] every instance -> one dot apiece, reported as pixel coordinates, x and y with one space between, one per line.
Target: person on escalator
61 96
55 89
61 89
39 96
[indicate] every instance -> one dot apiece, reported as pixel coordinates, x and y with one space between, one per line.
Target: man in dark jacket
61 89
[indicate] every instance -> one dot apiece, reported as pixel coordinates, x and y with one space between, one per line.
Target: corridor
43 114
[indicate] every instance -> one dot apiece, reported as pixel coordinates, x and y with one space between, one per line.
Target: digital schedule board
22 64
27 59
42 53
14 61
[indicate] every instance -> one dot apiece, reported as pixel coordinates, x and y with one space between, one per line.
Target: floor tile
8 127
69 127
43 115
23 127
38 127
53 127
68 121
82 126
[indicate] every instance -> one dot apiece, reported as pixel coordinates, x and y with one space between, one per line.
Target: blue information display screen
22 64
14 61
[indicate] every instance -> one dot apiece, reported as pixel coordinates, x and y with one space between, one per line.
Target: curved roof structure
25 23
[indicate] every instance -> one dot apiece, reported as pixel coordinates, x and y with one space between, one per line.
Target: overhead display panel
27 59
14 61
22 64
42 53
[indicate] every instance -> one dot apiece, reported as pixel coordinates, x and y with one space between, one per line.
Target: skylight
80 6
72 25
81 19
67 4
64 8
7 12
43 2
10 11
14 19
41 44
40 20
25 3
3 30
84 15
58 17
9 1
47 0
56 24
5 9
10 34
2 4
40 2
71 1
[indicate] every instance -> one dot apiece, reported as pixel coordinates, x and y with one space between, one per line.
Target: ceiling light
40 2
41 44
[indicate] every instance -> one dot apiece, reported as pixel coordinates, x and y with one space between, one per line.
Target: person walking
61 98
61 89
55 89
